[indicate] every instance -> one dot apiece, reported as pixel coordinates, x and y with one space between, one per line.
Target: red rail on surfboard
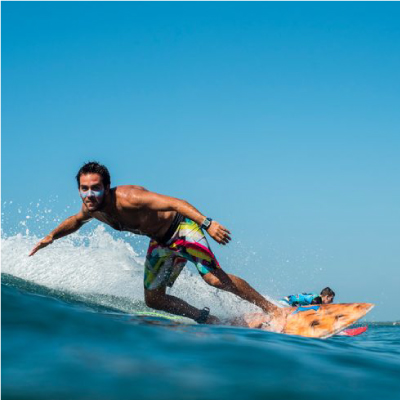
353 331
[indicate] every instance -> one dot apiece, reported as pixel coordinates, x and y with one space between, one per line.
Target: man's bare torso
123 211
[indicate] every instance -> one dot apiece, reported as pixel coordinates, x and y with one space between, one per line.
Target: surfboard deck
324 320
169 317
158 318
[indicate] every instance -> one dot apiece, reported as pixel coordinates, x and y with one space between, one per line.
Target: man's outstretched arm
158 202
70 225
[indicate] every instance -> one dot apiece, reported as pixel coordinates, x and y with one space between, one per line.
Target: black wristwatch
206 223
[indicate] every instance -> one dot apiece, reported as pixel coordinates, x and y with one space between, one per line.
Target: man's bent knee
210 279
218 279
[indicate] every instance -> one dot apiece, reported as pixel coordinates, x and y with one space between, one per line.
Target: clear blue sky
280 120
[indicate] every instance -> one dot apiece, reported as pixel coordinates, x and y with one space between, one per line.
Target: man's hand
219 233
43 243
70 225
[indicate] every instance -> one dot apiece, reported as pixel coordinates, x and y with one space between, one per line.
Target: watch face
206 223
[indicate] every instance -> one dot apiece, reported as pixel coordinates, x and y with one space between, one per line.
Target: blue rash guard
302 299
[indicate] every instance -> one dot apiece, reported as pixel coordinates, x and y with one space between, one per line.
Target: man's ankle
203 315
212 320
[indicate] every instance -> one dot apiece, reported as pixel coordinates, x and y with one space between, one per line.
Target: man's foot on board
278 320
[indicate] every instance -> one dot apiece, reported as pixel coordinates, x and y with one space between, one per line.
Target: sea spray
99 264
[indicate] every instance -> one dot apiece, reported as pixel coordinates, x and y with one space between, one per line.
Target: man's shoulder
129 195
125 188
127 191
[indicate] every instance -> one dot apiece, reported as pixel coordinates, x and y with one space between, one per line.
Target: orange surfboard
323 320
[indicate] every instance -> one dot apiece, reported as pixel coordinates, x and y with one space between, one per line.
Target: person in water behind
304 299
176 231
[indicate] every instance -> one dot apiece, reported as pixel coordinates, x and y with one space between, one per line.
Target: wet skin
135 209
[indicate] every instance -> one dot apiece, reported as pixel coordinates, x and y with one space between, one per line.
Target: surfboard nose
325 320
364 306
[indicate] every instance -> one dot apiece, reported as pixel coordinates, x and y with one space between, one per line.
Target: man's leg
231 283
162 267
160 300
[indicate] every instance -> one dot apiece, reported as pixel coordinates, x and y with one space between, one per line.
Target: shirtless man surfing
175 229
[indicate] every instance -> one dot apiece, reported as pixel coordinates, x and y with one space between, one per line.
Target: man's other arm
70 225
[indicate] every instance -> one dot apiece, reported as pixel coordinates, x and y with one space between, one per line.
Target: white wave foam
100 263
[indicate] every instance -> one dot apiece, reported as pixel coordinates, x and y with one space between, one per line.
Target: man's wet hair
93 167
327 292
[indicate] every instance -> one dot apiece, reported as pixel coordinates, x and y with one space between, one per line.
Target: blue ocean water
71 330
57 345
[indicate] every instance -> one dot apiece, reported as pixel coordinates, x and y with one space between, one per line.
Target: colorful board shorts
164 262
